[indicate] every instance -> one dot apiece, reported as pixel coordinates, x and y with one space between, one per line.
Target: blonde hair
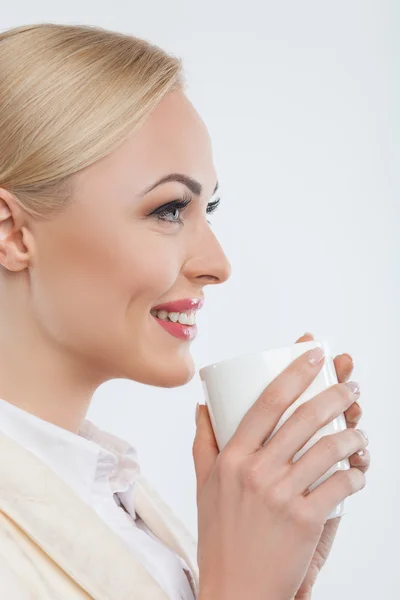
69 95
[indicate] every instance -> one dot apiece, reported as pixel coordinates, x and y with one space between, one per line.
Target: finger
362 462
321 457
205 448
306 337
307 419
329 494
353 415
343 362
262 417
344 367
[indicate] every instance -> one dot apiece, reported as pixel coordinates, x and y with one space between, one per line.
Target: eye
212 207
172 209
169 213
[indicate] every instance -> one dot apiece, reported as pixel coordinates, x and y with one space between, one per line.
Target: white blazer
60 549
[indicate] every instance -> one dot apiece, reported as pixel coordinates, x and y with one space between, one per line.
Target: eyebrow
194 186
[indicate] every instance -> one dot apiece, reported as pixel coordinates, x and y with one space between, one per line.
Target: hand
253 510
344 368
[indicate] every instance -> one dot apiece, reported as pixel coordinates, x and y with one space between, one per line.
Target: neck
39 374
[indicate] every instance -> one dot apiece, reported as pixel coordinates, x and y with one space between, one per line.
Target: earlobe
14 255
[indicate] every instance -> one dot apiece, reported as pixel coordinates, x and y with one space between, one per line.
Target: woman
106 184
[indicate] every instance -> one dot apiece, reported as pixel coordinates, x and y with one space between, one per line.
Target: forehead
173 139
174 125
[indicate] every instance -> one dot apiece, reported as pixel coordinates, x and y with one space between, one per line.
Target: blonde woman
107 184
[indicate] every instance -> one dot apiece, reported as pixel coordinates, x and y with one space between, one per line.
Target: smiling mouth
179 325
183 318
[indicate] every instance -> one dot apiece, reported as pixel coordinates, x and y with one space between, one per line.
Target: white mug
232 386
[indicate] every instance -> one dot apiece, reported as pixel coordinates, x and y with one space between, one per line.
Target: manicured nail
315 355
197 412
353 386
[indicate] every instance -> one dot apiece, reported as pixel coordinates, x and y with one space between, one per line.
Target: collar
91 462
26 489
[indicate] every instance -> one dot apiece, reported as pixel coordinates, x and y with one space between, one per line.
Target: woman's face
101 266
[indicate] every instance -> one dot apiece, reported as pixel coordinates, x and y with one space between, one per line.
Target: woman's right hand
258 526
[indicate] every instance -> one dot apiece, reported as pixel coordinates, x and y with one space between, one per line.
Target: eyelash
167 209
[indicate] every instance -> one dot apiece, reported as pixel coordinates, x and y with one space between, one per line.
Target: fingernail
364 434
361 452
315 355
197 412
353 386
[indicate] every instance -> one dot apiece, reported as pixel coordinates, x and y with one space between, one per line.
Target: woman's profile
107 187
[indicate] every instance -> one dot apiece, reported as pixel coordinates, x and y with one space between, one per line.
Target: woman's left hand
344 368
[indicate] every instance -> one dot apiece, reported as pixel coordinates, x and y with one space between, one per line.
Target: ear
14 253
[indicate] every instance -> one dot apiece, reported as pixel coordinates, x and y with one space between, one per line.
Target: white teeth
175 317
191 318
183 319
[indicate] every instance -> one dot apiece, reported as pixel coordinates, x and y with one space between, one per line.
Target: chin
172 373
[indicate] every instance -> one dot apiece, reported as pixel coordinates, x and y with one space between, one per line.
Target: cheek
90 287
150 275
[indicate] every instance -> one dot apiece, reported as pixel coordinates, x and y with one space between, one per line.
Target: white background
300 100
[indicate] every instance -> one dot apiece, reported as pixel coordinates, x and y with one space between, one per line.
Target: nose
208 262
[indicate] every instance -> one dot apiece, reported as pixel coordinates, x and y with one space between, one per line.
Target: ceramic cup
232 386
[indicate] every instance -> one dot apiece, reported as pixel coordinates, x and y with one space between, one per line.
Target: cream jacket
55 547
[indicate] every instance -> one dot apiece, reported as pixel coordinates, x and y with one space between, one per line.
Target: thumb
205 448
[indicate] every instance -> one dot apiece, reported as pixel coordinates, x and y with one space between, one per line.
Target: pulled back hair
70 95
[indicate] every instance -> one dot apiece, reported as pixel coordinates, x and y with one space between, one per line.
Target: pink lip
185 305
183 332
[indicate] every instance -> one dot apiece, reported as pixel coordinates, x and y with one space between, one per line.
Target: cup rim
311 343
